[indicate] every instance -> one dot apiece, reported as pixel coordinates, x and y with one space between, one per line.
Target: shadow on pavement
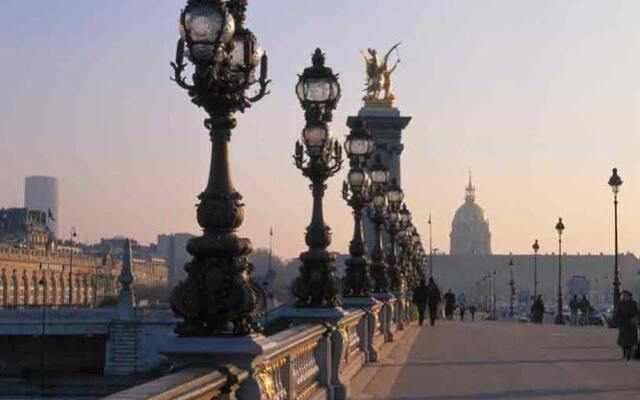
498 362
522 394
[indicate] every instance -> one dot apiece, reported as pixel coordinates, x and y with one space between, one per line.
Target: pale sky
539 98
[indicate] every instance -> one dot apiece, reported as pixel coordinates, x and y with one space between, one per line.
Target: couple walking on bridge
427 296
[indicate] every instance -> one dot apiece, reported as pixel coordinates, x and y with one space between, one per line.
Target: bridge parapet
308 361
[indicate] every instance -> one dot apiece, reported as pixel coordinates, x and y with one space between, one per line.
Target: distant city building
173 248
149 267
470 230
466 272
41 194
25 228
578 285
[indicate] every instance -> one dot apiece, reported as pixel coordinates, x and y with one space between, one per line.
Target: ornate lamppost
377 213
615 182
217 297
535 248
405 245
559 320
395 195
356 191
512 287
319 157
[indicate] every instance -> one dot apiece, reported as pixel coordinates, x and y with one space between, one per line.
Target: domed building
470 230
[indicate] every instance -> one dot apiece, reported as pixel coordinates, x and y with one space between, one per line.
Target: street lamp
535 248
356 191
395 195
512 293
615 182
377 213
319 157
217 297
559 314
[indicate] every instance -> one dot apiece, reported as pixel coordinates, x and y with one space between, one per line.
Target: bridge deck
500 360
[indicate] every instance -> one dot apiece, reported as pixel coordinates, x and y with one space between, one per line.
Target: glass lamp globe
358 145
315 136
379 200
204 27
560 226
380 175
357 178
246 53
395 195
615 181
318 84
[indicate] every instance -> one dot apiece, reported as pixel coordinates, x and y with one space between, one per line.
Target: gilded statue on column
379 90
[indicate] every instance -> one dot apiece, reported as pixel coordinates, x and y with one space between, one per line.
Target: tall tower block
41 194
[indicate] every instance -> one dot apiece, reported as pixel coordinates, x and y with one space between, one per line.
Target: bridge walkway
500 360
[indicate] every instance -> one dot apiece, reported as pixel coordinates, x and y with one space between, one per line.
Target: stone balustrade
309 361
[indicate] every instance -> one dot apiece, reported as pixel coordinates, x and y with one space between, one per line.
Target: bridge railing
188 384
310 360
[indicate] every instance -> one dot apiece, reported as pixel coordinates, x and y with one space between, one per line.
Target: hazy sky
539 98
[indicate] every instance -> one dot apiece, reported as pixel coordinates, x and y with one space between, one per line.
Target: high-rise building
173 248
41 194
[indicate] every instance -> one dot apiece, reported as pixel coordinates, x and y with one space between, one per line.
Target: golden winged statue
379 75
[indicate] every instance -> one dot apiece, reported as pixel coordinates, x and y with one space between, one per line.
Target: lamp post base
559 320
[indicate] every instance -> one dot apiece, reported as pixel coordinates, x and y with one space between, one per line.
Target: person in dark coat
627 316
585 308
449 304
472 310
537 310
434 301
574 305
420 299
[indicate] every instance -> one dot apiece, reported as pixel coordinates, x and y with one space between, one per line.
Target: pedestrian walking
449 304
462 305
433 301
472 311
420 299
574 306
626 318
585 308
537 310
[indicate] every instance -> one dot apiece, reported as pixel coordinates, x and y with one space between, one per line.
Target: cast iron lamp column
377 213
319 157
217 297
395 195
416 243
356 192
512 288
615 182
559 320
535 247
404 244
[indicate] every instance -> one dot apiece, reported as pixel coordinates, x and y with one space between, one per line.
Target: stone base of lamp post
388 312
371 306
559 320
243 352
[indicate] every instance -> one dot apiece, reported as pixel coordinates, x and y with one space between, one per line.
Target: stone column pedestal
370 305
337 389
400 310
389 301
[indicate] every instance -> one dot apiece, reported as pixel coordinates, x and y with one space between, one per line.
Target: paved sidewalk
501 360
